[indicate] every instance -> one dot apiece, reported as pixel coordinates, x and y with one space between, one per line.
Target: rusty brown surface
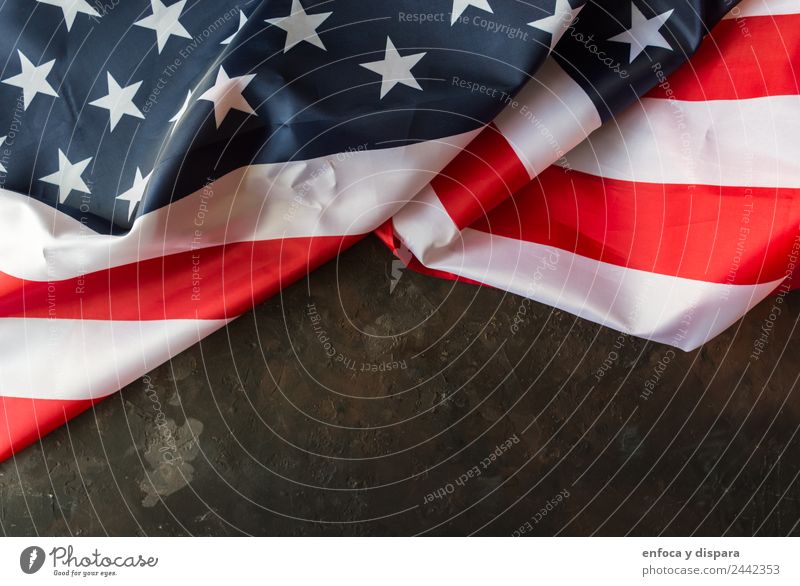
258 431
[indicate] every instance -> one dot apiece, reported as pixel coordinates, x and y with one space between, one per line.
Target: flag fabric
669 222
167 166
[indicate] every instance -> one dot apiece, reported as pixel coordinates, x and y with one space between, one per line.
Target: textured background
256 431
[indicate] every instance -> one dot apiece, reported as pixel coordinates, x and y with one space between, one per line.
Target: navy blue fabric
309 102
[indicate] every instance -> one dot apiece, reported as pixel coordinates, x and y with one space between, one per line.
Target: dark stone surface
256 431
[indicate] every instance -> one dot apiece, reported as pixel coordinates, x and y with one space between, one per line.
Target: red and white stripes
84 314
669 222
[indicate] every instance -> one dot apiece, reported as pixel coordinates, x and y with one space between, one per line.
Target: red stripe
23 421
211 283
730 235
744 58
750 57
484 174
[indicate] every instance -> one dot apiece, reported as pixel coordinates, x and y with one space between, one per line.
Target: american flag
669 221
166 166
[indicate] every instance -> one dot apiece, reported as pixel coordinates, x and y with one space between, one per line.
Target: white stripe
550 116
751 142
764 8
347 194
680 312
84 359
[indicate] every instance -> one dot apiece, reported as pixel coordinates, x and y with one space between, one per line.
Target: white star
459 6
557 24
164 21
71 9
179 114
300 26
32 80
68 176
227 95
242 22
644 32
395 69
2 142
119 101
135 194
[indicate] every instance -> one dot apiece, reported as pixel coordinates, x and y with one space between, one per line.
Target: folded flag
669 222
166 165
200 157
